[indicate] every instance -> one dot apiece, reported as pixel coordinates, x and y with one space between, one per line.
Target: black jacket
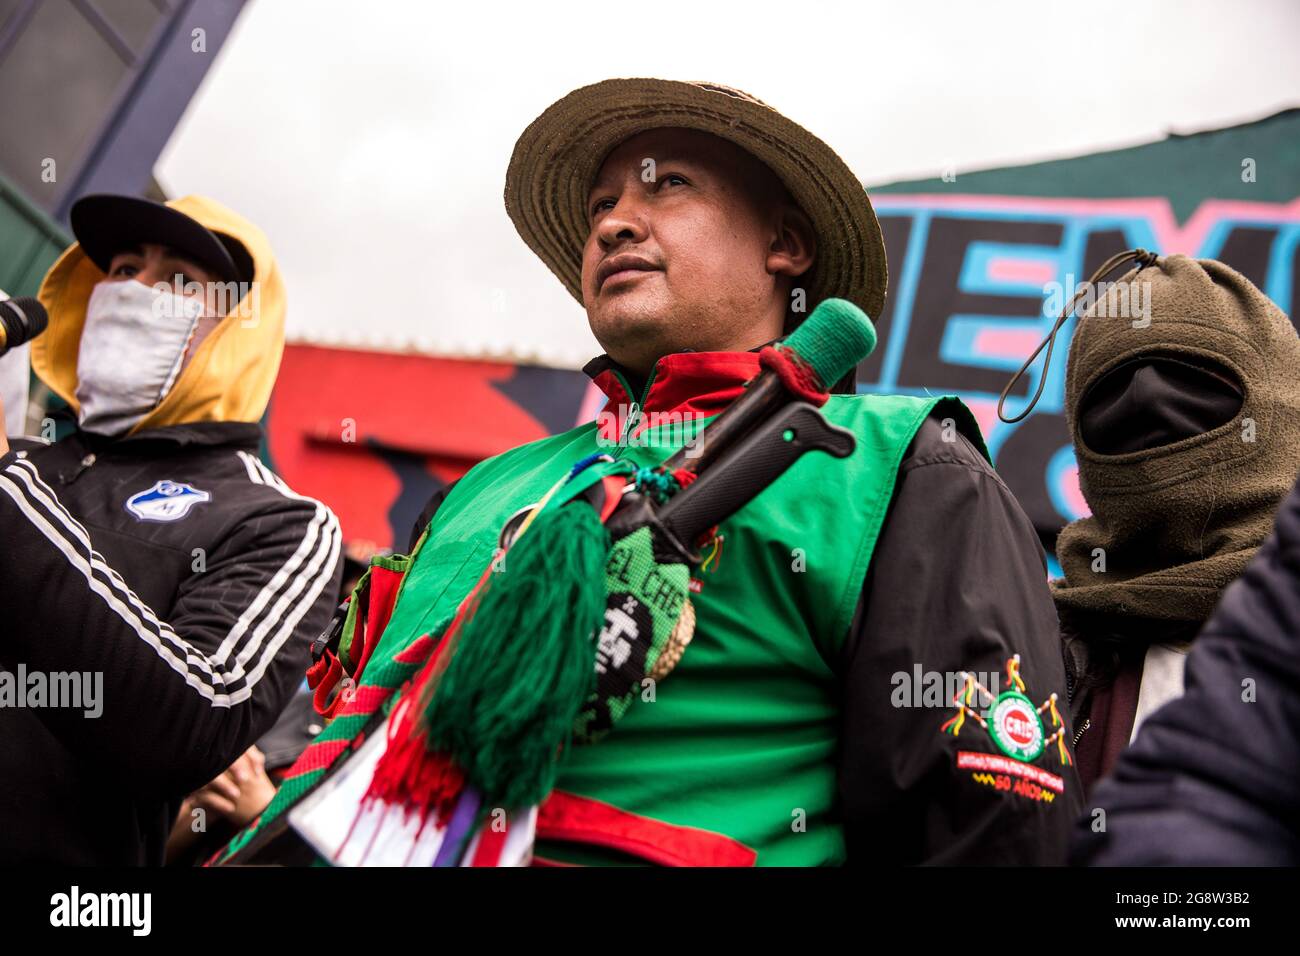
181 573
1213 777
958 581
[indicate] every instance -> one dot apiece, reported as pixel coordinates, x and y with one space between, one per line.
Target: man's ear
794 247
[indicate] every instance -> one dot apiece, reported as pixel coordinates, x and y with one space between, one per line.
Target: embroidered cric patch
1015 726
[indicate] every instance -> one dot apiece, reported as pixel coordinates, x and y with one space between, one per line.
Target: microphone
21 320
822 350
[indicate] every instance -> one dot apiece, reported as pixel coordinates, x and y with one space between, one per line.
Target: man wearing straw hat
811 719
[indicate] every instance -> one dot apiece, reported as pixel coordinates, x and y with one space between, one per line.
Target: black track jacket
177 571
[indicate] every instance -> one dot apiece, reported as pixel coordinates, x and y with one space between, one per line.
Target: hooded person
811 718
1185 421
151 563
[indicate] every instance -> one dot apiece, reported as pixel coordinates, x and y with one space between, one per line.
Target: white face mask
132 347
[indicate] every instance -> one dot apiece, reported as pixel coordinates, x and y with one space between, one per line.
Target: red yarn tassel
684 476
408 774
796 374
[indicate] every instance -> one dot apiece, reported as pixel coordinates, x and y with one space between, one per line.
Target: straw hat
556 160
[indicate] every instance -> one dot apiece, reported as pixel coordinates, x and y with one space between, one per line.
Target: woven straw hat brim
556 160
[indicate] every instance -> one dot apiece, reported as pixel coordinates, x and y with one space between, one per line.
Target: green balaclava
1175 524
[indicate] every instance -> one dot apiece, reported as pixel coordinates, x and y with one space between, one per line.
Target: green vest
741 738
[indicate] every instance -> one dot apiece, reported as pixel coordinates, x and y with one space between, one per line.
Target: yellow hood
234 368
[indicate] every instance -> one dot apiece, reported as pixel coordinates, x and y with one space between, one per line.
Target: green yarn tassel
524 663
657 484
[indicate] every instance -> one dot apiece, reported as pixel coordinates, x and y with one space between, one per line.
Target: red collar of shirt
686 383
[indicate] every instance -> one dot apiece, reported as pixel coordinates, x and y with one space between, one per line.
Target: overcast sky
370 139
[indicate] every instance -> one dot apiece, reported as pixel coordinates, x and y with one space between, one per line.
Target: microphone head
21 320
834 339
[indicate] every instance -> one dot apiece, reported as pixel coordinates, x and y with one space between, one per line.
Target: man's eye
674 179
601 205
125 270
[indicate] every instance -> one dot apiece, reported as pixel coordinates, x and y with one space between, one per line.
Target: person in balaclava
161 584
1186 427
